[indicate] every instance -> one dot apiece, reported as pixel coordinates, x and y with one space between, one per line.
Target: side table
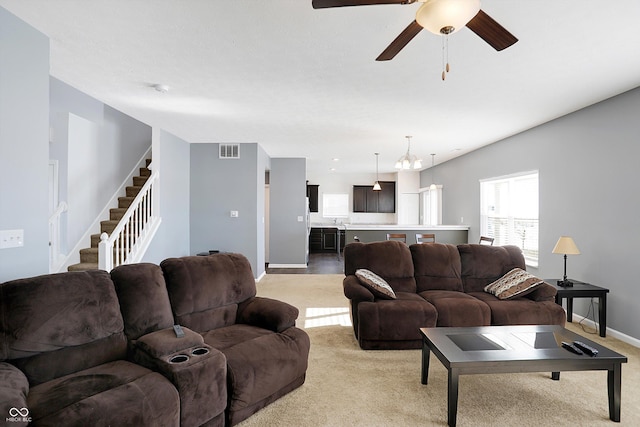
583 290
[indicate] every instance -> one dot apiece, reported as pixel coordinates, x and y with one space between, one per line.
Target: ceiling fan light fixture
446 16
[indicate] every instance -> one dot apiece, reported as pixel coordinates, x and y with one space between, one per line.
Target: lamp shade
435 15
566 245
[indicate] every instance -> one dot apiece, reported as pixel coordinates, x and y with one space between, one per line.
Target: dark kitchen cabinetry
312 194
325 239
367 200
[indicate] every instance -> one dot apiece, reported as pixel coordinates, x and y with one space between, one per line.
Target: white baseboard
287 265
264 273
610 332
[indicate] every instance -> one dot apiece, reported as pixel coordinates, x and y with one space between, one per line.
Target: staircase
89 256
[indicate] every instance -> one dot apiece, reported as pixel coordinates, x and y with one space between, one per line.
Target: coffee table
511 349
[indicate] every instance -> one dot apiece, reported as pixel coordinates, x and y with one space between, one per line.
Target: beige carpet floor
347 386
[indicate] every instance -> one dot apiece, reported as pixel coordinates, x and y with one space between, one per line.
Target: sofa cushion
205 290
516 282
437 266
261 365
56 324
376 284
383 322
116 393
390 260
522 311
457 309
483 264
142 285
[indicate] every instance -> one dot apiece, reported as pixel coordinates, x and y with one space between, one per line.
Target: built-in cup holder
200 351
180 358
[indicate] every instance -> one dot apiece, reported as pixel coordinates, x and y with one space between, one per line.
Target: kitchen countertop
404 227
389 226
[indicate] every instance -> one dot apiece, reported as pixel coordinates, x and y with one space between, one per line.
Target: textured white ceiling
305 83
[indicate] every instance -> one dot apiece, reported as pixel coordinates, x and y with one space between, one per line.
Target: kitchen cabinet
312 194
367 200
325 239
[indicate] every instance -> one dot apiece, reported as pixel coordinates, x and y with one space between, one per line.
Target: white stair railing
54 237
131 237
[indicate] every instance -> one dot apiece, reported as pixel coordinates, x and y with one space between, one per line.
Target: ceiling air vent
229 151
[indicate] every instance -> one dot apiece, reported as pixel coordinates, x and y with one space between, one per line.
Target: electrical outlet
11 239
234 214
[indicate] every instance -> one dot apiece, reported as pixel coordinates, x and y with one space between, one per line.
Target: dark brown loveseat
437 285
63 357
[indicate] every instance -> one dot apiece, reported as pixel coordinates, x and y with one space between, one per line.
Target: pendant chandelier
408 161
376 185
433 185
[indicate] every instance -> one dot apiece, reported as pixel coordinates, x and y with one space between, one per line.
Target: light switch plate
11 239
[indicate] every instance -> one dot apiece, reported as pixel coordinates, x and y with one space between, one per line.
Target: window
431 205
335 205
509 212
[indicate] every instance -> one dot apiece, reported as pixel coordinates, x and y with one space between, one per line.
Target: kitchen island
453 234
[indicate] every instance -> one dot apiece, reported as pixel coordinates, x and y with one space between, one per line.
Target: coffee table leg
426 353
555 376
614 379
452 398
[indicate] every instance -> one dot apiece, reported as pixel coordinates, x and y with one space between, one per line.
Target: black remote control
178 330
586 348
572 348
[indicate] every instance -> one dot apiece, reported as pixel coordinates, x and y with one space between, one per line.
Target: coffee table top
524 343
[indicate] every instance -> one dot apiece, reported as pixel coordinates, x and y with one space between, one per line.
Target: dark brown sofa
63 357
99 349
437 285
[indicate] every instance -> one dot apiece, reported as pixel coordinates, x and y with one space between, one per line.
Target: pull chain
445 55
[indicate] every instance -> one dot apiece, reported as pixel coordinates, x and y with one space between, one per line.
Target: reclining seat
63 357
267 355
438 279
379 323
198 371
483 264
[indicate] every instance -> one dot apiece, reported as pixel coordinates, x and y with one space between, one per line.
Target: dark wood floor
318 264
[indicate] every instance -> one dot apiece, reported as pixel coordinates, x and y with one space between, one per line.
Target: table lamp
566 246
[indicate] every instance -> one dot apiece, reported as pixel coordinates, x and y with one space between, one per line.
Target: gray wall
288 192
96 147
587 164
219 186
24 147
172 158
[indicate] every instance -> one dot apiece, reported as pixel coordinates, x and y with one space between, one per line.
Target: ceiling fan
439 17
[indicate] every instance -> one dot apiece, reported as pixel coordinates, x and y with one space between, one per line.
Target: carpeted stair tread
117 213
125 202
83 266
89 255
145 172
139 181
133 190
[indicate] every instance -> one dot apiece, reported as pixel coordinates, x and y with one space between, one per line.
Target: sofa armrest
198 371
14 387
544 292
267 313
355 291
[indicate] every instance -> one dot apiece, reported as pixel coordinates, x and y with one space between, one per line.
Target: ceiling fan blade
400 42
491 32
322 4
